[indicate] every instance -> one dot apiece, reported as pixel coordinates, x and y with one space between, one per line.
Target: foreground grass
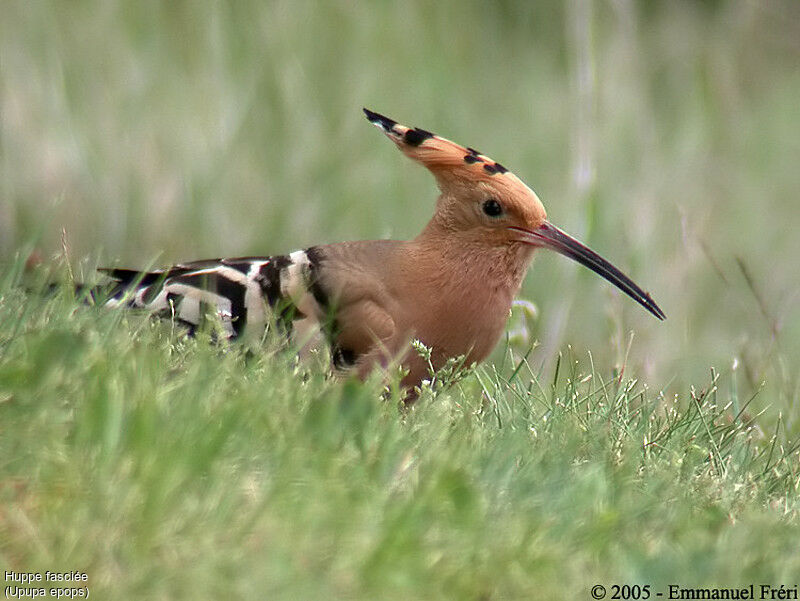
168 468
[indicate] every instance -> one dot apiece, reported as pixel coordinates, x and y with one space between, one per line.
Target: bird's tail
245 293
127 288
154 291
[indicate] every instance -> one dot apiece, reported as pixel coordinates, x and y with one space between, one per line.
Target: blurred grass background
666 135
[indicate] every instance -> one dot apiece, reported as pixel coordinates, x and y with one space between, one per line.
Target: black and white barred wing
246 293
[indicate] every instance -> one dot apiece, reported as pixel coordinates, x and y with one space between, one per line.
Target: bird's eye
492 208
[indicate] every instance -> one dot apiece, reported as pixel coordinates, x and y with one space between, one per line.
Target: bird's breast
460 307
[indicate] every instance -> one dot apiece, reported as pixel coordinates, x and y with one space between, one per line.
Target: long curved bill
549 236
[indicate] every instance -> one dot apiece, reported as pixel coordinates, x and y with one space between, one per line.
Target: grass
169 468
664 135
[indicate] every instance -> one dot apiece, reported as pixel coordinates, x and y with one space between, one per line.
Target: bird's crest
444 158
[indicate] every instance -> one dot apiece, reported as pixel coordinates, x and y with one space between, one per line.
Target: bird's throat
465 261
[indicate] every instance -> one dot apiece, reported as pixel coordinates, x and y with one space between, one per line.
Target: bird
450 288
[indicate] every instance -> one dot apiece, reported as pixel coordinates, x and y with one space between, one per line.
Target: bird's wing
239 290
347 284
337 289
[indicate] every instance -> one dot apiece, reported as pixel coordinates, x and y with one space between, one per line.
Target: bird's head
482 200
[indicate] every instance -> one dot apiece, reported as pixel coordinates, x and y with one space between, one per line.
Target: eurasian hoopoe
451 287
